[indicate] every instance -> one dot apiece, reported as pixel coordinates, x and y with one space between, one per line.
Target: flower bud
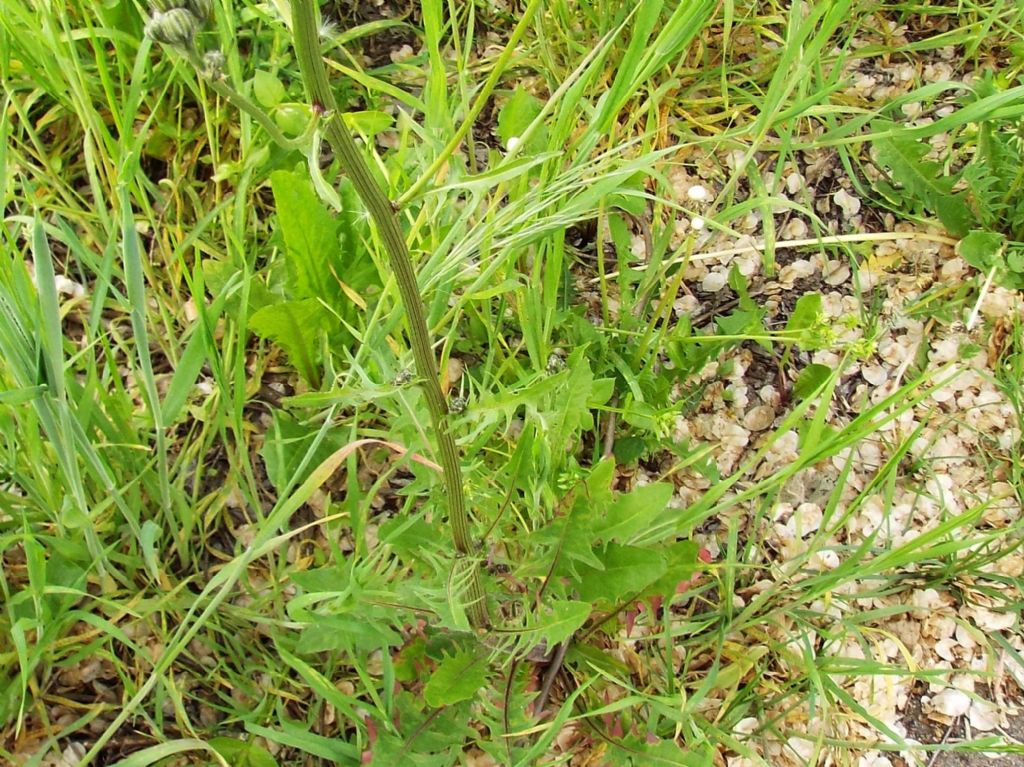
213 64
201 9
174 27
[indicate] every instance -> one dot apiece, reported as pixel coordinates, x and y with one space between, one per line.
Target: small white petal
697 223
513 142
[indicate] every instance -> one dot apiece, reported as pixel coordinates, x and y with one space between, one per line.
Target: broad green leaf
629 449
626 571
806 312
682 563
311 238
369 122
326 579
293 118
344 632
561 620
806 316
570 538
457 678
515 117
267 89
1015 260
810 379
295 326
954 213
633 512
598 483
410 538
241 753
981 249
744 323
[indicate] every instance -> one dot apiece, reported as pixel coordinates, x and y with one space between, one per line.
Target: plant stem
305 25
242 104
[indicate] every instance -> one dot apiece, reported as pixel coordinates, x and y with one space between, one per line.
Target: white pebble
849 204
875 375
714 282
951 703
759 418
698 193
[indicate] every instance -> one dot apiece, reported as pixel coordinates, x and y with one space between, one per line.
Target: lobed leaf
457 678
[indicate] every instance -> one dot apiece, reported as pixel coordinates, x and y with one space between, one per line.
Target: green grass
209 559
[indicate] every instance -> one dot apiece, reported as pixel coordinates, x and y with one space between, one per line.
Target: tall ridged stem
305 27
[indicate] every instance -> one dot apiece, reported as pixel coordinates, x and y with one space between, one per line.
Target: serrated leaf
954 213
682 560
561 620
981 249
598 484
925 181
312 244
321 580
568 413
1015 260
295 326
625 572
345 632
457 678
570 537
633 512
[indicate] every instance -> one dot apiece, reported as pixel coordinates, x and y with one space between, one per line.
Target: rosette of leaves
980 201
329 275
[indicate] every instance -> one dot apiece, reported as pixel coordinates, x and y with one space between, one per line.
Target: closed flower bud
174 27
201 9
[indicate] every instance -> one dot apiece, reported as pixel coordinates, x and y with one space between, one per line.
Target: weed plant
230 444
